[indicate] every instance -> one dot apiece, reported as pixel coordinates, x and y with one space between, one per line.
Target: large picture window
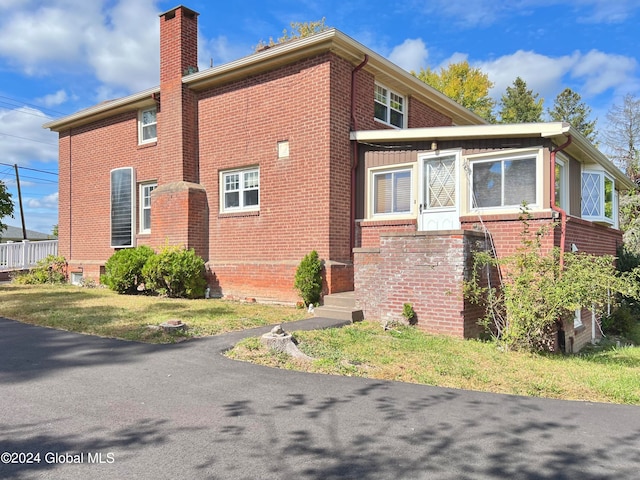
389 107
240 190
122 207
392 192
505 182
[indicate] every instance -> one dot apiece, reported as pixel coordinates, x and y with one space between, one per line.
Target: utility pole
24 230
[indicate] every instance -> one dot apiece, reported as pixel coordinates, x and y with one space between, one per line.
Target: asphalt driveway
127 410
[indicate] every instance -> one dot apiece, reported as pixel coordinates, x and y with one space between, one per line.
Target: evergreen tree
519 105
568 107
464 84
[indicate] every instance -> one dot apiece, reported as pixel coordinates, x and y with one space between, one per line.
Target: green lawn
408 355
99 311
365 349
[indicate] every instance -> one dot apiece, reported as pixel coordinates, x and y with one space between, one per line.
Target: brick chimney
179 207
178 43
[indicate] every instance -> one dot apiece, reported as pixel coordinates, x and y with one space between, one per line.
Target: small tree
6 206
308 279
175 272
298 30
520 105
536 294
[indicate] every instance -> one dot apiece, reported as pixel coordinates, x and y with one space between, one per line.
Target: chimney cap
187 11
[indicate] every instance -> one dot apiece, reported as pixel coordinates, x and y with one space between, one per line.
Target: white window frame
142 126
144 205
387 103
393 170
602 178
504 157
121 219
242 173
577 318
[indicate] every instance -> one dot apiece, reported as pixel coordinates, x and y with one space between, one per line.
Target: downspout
554 207
354 163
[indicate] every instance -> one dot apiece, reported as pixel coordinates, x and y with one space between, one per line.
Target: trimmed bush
175 272
123 270
51 269
308 279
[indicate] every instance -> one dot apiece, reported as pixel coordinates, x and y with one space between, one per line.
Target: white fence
25 254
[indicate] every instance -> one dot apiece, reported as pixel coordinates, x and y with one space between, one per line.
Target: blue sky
59 56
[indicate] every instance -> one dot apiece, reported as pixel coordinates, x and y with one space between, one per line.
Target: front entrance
439 191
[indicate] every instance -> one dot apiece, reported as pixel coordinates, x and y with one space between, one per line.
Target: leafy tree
519 105
6 206
466 85
536 294
54 232
568 107
622 137
298 30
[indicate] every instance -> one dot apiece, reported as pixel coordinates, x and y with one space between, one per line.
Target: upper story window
240 190
389 107
147 123
599 197
505 182
392 192
145 206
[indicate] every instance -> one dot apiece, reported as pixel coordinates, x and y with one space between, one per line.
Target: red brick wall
425 269
421 115
84 206
370 230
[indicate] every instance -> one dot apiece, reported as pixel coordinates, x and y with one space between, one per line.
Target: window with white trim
392 192
123 200
145 206
504 182
560 185
599 197
389 107
240 190
147 126
577 318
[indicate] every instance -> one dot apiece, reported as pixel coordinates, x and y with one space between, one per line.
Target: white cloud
22 138
602 71
219 50
53 99
118 42
47 202
412 54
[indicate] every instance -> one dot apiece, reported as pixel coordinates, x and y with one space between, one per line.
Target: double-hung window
145 206
240 190
389 107
599 197
505 182
392 192
147 123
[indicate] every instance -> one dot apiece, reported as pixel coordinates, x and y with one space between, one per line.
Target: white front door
439 192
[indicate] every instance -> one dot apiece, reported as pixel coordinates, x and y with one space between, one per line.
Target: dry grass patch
105 313
406 354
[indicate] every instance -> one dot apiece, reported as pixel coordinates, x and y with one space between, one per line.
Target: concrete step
339 306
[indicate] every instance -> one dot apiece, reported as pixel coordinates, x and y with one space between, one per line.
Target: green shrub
308 279
175 272
123 270
51 269
621 321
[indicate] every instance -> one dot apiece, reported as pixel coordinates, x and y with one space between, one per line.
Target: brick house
305 145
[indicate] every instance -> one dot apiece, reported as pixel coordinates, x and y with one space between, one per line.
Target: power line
32 169
44 180
19 103
29 139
